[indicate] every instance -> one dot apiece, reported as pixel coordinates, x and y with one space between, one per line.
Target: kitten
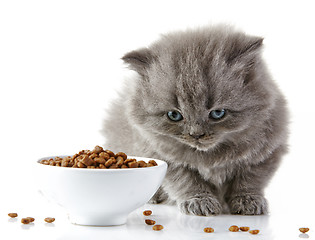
204 102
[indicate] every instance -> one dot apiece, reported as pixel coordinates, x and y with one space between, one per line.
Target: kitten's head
201 88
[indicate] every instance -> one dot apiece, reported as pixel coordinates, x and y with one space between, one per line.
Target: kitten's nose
197 136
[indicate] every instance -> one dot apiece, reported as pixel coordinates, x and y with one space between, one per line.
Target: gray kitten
204 102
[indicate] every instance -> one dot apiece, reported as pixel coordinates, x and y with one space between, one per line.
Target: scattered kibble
25 220
49 219
208 230
244 229
254 231
147 212
304 230
149 222
12 215
234 228
157 227
31 219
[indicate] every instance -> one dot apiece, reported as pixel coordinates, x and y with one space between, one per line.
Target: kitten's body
211 162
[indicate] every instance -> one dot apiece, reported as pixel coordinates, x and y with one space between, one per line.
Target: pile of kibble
98 158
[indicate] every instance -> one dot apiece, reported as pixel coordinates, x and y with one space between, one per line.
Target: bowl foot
103 220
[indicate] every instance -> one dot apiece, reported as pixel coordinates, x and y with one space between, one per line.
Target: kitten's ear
139 60
243 49
243 57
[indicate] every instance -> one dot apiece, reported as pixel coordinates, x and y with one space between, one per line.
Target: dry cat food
244 229
31 219
12 215
25 220
149 222
304 230
208 230
147 212
98 158
157 227
234 228
49 219
254 231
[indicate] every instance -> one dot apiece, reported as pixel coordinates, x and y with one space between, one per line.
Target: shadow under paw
248 205
201 206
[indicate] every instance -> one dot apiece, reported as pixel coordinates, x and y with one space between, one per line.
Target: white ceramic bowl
100 197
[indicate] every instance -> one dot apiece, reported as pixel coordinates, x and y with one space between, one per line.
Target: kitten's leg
191 192
245 193
159 197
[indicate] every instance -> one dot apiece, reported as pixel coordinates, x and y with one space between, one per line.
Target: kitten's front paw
248 205
205 205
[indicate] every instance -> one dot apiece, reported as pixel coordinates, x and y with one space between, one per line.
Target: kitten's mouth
203 146
200 144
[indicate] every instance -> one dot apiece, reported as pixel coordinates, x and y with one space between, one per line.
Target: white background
60 67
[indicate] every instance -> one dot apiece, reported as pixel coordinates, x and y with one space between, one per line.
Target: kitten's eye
174 115
217 114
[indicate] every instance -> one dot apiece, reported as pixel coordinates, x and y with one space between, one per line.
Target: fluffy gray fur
228 165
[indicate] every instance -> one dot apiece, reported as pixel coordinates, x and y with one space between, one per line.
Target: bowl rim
161 164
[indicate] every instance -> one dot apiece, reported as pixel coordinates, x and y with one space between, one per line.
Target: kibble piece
122 154
110 153
81 165
244 229
87 161
234 228
82 152
12 215
129 160
93 155
104 155
70 164
100 160
64 164
101 166
304 230
31 219
147 212
52 162
113 166
98 149
110 162
142 164
124 166
149 222
75 165
133 164
45 162
120 161
254 231
119 158
25 220
49 219
157 227
208 230
153 162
